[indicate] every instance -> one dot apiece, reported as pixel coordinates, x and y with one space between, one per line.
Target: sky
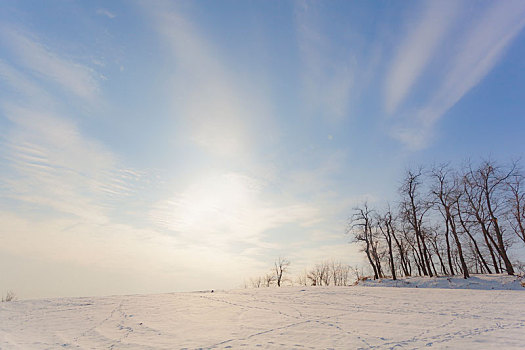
150 147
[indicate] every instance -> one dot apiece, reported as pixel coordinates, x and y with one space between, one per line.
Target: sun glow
211 204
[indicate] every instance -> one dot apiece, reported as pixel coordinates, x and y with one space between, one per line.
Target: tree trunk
464 267
427 258
401 255
370 260
488 238
467 231
391 253
449 256
502 249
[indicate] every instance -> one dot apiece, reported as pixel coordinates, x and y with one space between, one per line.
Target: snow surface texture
283 318
484 282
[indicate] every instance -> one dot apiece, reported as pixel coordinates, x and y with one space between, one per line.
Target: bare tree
467 228
302 279
411 249
516 201
357 273
489 180
361 227
386 227
433 238
446 193
413 209
315 276
256 282
340 273
475 211
268 279
320 275
402 248
281 266
326 276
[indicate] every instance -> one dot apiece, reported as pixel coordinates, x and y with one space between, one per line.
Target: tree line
447 221
327 273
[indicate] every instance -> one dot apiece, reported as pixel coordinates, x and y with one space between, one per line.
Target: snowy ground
289 318
484 282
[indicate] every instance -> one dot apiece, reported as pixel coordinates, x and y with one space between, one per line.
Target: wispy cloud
106 12
64 188
51 164
72 77
61 185
477 50
23 88
210 103
417 49
48 162
482 46
328 71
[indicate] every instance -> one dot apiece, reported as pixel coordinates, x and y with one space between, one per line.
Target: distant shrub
9 296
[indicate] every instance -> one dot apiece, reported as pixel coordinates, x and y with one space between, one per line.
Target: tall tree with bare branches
386 227
413 209
361 227
490 179
281 267
446 194
516 201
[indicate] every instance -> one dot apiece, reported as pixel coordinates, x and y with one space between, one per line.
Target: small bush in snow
10 296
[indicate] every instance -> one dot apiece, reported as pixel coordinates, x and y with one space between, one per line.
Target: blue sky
161 146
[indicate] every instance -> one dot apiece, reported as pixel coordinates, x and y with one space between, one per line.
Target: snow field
272 318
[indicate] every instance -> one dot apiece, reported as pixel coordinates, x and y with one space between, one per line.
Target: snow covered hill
484 282
272 318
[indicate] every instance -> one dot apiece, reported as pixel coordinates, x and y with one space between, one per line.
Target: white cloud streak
54 166
106 13
418 48
479 49
482 47
65 187
70 76
23 87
